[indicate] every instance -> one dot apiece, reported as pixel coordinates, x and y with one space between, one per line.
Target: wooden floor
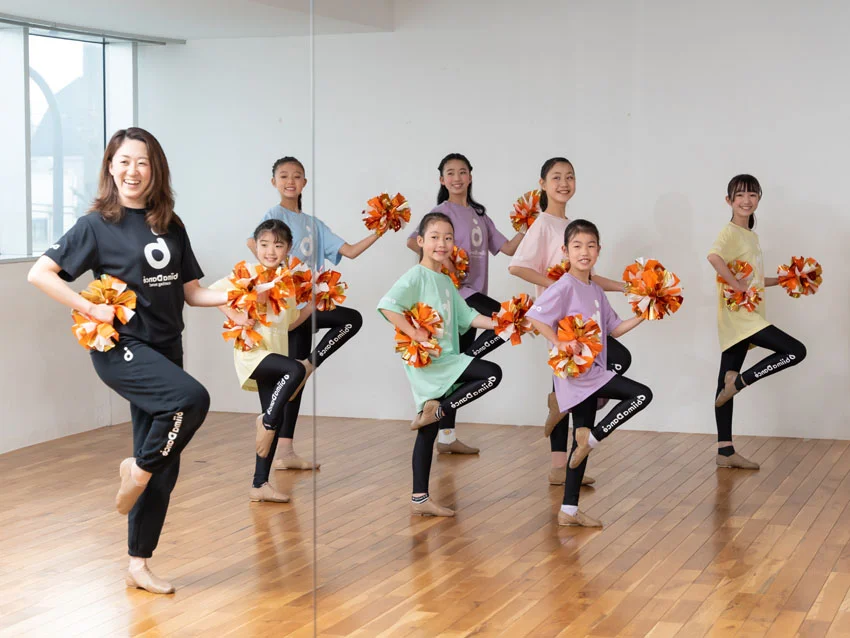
687 549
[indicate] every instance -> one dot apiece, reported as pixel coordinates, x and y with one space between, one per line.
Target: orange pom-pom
801 277
245 338
735 300
562 360
244 296
302 279
461 263
110 291
419 354
558 270
329 291
274 288
386 213
652 290
526 210
511 322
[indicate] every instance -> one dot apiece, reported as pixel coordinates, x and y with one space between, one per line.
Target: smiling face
289 181
582 252
456 177
271 250
559 183
437 242
130 168
744 203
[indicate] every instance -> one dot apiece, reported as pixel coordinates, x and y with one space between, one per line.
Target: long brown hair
159 196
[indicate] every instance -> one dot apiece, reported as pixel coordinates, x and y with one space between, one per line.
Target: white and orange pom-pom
563 361
245 338
511 322
302 279
652 290
243 296
275 289
734 299
110 291
526 210
386 213
329 291
419 354
558 270
460 259
801 277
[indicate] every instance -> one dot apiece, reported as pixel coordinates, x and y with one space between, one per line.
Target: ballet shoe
427 416
429 508
128 492
558 476
144 579
308 369
267 493
736 461
554 417
580 453
579 520
456 447
729 390
294 462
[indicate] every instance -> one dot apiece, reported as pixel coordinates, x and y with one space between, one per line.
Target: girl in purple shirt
573 294
476 233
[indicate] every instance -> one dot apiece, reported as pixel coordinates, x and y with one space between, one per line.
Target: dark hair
159 198
443 193
289 160
744 184
429 219
548 165
580 226
277 228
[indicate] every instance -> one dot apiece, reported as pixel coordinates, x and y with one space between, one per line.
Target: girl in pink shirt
542 248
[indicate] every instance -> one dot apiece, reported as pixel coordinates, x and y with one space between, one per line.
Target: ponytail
290 160
548 165
443 193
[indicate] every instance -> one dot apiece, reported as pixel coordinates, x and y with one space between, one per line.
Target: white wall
658 105
49 388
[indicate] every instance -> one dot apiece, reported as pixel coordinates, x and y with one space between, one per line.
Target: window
61 93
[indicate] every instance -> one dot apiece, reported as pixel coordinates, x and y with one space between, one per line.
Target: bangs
743 184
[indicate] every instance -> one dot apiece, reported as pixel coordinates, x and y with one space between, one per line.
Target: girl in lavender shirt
476 233
573 294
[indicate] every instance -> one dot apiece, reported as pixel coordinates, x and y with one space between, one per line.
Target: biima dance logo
128 355
779 364
621 416
158 263
469 396
175 430
486 346
336 339
278 388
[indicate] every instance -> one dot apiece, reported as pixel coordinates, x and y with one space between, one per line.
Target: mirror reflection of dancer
267 369
476 233
741 330
432 385
575 293
542 248
311 240
133 233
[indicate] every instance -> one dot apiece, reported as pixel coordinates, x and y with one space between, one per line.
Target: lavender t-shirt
476 234
569 296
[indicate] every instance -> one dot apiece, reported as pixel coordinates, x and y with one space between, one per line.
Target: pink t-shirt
542 246
476 234
569 296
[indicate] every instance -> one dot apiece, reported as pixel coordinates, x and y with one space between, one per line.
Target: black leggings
167 406
619 359
787 352
477 380
633 397
277 378
342 324
489 340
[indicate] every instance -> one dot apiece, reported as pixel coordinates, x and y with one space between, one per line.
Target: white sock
447 436
569 509
591 441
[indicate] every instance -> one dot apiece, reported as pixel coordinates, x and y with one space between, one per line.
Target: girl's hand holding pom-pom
580 341
386 213
245 337
329 291
745 296
460 261
110 298
652 290
526 210
511 322
801 277
419 350
302 279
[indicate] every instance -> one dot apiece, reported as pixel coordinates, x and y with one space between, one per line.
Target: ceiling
202 19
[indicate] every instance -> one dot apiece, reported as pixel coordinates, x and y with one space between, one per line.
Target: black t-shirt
154 266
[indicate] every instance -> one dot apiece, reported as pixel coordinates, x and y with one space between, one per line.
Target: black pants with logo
633 397
787 352
477 380
167 407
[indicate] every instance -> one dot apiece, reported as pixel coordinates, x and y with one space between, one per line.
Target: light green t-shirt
423 285
733 326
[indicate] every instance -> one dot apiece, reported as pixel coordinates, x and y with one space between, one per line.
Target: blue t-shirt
322 243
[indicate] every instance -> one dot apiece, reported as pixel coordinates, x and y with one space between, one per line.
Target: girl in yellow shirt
740 330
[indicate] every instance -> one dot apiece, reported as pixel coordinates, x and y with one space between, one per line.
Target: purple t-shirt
569 296
476 234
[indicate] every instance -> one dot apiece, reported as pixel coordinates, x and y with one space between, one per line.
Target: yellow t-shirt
275 340
733 326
